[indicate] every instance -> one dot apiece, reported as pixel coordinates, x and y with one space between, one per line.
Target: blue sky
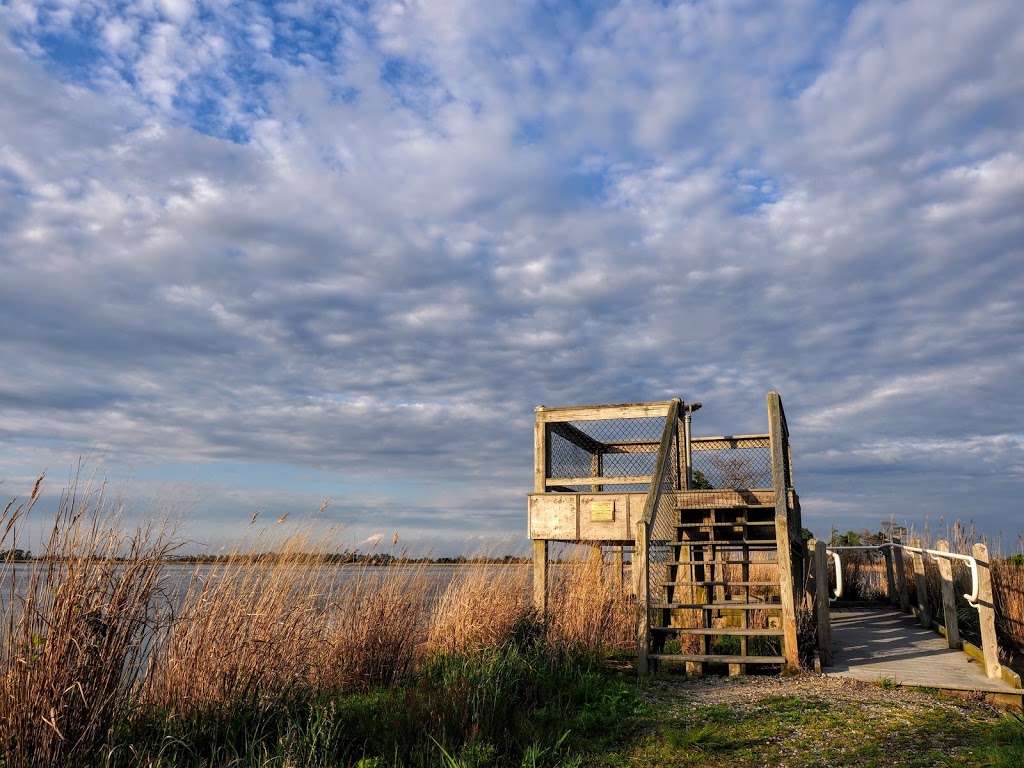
257 256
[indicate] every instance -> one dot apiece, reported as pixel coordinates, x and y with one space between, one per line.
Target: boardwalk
872 644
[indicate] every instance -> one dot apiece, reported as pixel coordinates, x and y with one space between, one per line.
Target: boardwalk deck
873 644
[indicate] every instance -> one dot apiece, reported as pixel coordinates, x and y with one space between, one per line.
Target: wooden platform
873 644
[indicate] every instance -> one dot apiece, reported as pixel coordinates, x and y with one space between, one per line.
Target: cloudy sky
257 256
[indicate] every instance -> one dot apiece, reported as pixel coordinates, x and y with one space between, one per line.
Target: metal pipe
971 598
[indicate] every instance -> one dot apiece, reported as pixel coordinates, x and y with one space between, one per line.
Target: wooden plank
599 412
890 578
554 516
899 564
706 443
949 617
540 453
924 611
611 480
986 611
723 498
576 436
716 658
640 446
787 588
882 643
716 631
821 607
540 576
616 529
640 577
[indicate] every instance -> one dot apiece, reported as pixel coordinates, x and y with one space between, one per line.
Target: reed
74 633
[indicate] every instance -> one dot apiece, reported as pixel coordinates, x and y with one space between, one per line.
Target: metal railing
971 597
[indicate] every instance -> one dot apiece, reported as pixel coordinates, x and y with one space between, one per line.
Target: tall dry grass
99 635
75 631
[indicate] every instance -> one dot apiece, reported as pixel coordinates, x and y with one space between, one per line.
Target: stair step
719 583
722 562
736 524
689 508
744 631
718 606
725 543
718 659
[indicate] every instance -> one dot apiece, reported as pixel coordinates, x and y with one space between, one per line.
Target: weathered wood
900 568
821 607
540 453
713 442
598 481
924 611
640 580
540 577
661 464
619 566
949 617
986 611
598 412
890 578
554 516
787 589
882 643
576 436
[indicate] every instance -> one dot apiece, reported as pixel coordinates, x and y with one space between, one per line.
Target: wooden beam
900 568
540 454
589 480
640 580
924 611
987 612
598 412
636 446
949 617
540 577
890 578
821 607
734 441
576 436
787 587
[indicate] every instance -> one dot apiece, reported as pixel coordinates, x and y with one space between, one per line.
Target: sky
325 259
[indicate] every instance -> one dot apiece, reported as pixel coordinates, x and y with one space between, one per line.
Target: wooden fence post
899 565
640 576
890 579
783 545
986 612
949 617
924 612
619 564
540 576
821 593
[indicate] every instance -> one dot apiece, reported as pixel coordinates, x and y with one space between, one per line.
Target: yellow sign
602 511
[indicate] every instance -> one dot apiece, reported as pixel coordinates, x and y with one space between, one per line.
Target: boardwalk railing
979 597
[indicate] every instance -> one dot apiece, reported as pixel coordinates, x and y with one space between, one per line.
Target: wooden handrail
661 464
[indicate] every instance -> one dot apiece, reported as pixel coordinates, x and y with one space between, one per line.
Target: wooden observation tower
713 524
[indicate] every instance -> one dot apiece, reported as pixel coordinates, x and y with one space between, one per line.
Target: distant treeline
348 557
353 557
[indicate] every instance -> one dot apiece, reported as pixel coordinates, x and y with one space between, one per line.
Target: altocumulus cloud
257 255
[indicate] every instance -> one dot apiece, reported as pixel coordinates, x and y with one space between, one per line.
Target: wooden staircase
721 598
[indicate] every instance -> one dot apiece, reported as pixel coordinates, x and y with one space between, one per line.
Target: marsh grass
267 658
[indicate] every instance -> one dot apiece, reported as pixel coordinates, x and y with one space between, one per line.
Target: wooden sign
602 511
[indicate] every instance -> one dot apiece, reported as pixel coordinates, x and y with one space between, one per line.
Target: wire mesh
605 448
732 464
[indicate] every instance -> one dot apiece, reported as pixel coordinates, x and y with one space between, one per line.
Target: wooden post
540 576
619 564
949 617
901 577
821 608
890 579
924 612
787 589
986 612
640 581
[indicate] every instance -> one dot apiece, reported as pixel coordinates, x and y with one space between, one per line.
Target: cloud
364 242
